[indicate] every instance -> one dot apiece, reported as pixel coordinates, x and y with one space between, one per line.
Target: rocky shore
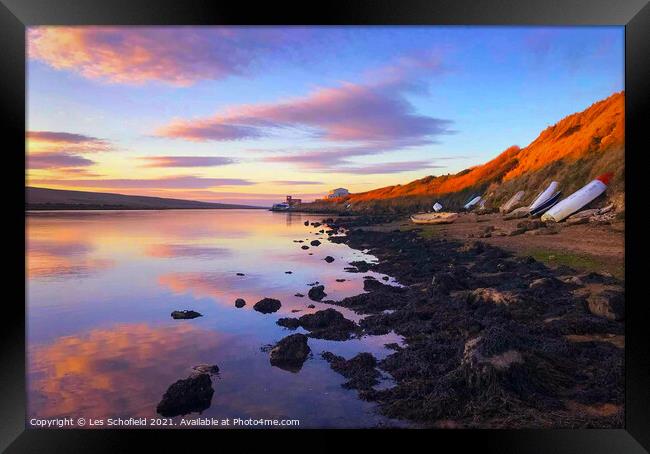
491 339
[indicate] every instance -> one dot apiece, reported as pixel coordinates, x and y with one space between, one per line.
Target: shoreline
492 339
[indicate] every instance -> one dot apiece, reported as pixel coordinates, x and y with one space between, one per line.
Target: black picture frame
16 15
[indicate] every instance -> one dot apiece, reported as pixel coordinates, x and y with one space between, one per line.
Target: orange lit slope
572 152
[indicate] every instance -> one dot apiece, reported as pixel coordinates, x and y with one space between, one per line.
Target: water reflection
102 285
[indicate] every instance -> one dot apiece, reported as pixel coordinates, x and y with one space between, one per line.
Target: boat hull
575 201
434 218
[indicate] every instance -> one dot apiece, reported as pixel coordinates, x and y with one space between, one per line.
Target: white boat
512 202
437 207
280 206
544 196
434 218
578 199
472 202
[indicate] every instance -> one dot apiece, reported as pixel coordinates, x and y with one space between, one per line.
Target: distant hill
57 199
573 151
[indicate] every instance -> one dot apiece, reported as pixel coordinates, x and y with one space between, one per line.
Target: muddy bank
491 339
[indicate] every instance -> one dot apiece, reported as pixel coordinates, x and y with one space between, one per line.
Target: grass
577 261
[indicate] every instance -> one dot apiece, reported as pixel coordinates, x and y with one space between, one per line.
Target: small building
338 192
291 201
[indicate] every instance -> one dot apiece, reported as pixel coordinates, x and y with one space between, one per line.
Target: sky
252 114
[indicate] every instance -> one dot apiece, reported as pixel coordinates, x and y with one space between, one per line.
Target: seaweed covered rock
361 370
328 324
267 305
317 293
290 353
492 296
185 315
609 303
288 322
192 394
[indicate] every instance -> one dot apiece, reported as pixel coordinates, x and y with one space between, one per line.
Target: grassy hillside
57 199
573 151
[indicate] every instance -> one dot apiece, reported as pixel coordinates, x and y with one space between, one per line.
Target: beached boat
543 196
434 218
578 199
544 207
472 202
511 204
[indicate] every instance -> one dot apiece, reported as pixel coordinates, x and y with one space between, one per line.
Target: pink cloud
187 161
174 182
65 141
56 160
135 55
348 112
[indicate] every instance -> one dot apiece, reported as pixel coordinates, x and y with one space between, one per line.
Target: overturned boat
472 202
434 218
544 196
542 208
578 199
512 202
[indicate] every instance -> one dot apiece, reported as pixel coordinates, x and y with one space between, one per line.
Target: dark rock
185 315
240 302
288 272
206 369
267 305
372 285
299 295
360 370
193 394
328 324
288 322
362 266
306 223
241 274
317 293
341 280
609 303
290 353
315 243
385 278
329 259
304 247
311 306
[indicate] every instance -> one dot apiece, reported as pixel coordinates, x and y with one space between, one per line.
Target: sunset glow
251 114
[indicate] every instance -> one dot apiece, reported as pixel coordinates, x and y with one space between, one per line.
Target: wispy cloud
349 112
297 182
370 117
135 55
173 182
56 160
187 161
42 141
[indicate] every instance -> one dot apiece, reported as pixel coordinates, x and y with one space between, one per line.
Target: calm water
101 287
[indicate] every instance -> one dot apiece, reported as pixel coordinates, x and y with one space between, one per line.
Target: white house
338 192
